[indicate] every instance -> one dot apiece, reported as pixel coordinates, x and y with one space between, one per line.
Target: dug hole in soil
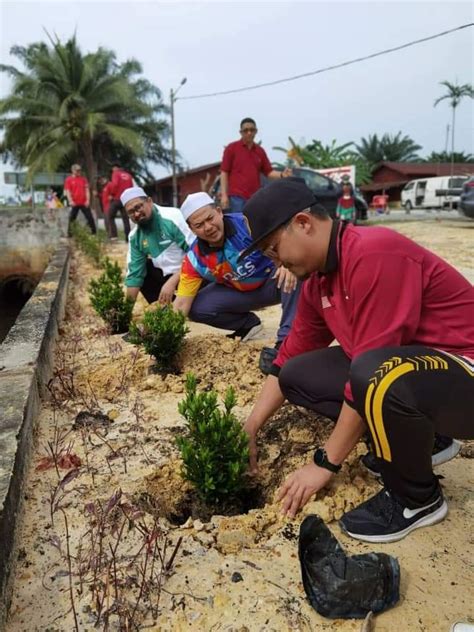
106 460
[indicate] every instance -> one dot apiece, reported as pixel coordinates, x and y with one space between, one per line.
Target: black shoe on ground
267 357
444 450
246 333
384 518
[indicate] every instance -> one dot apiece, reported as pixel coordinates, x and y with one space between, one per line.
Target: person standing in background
121 180
103 193
77 191
242 164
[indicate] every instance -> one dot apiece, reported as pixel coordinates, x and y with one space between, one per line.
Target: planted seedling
161 332
215 453
109 300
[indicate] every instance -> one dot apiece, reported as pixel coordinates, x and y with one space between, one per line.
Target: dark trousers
154 281
227 308
404 394
117 207
86 211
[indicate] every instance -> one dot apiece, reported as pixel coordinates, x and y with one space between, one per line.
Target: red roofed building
190 181
390 177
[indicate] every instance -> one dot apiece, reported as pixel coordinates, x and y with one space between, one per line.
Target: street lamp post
173 94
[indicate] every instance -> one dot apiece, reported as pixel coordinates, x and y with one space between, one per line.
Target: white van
438 193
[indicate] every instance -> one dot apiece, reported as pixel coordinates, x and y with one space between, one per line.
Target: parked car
466 202
438 193
326 190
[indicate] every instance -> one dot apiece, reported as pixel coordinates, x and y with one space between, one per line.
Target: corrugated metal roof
426 169
188 172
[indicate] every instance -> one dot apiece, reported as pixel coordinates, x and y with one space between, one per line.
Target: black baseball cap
275 205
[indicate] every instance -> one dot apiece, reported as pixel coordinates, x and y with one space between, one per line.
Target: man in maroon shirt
121 180
404 370
77 192
242 164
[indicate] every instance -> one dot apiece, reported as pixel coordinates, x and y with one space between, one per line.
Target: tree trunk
91 171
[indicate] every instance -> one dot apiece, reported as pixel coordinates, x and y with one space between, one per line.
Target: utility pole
173 99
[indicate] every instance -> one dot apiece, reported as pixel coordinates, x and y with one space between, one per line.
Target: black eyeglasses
138 208
248 130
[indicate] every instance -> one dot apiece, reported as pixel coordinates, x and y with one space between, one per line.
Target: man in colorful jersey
234 288
121 180
77 192
156 248
404 370
243 163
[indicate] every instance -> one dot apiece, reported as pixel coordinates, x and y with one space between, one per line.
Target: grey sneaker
444 450
246 333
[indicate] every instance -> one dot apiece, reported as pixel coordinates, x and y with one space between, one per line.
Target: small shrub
161 332
91 245
215 453
108 298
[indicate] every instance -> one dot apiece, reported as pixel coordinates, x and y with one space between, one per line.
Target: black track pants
405 394
86 211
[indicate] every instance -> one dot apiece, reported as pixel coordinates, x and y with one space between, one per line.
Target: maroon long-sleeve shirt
385 290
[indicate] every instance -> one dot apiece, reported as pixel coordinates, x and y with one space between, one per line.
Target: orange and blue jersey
221 264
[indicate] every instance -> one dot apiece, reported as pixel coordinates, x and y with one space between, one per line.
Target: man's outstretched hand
300 486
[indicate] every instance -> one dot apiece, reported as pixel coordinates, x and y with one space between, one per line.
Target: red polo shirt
244 166
77 187
121 180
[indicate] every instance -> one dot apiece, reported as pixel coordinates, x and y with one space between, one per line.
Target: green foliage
394 148
108 298
91 245
319 156
455 93
447 156
161 332
68 106
215 453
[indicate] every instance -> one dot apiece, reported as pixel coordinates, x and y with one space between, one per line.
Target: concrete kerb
26 363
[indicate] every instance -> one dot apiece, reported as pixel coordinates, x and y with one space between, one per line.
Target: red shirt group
78 189
121 180
244 165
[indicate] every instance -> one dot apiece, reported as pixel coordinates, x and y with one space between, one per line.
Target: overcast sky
225 45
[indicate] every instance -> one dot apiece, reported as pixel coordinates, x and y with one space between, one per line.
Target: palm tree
66 106
396 148
455 94
444 156
316 155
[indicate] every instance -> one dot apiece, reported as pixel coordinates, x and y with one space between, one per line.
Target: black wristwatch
321 459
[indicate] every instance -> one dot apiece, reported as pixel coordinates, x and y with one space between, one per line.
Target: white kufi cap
131 194
193 202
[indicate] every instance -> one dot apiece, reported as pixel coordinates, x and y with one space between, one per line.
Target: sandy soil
234 573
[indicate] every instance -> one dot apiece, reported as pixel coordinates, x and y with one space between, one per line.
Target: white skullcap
194 202
131 194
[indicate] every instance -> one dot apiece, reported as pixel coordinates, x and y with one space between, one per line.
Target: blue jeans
236 204
228 308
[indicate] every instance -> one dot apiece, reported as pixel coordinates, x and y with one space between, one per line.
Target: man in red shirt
404 370
77 192
121 180
242 164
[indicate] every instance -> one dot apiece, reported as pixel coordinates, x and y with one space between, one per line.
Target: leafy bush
91 245
161 332
215 453
108 298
